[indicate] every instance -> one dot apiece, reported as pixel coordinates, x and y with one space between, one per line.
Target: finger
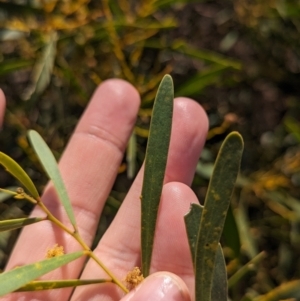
162 286
120 245
89 166
171 250
2 107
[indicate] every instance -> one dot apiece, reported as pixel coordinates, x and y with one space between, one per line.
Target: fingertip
176 200
189 131
122 91
160 286
181 194
189 110
112 112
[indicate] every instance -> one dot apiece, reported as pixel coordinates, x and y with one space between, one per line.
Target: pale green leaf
54 284
250 245
155 165
7 193
244 270
18 172
231 234
16 223
131 157
42 69
20 276
49 163
286 291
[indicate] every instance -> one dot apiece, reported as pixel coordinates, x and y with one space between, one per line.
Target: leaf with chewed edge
192 222
214 213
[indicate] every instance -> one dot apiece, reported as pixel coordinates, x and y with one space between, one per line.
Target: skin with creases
89 166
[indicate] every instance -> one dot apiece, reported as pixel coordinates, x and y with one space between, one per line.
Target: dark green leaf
18 277
48 161
18 172
192 223
231 234
214 213
155 165
219 285
219 291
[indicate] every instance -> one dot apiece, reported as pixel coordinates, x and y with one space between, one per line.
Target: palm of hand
89 166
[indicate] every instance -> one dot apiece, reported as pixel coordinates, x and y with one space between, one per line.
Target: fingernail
159 287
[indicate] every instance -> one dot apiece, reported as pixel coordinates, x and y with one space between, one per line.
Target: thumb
161 286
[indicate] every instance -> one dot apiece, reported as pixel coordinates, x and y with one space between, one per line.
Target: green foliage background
239 59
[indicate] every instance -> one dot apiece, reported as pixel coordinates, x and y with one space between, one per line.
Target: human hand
89 166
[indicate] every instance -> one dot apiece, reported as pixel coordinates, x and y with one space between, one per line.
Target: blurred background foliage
240 59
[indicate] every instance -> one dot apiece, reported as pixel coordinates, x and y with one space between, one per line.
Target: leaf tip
168 79
237 137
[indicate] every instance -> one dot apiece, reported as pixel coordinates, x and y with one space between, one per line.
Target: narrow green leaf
11 34
7 193
231 234
247 268
204 55
292 126
285 291
42 70
248 242
199 54
19 173
12 65
219 291
155 165
20 276
48 161
214 213
54 284
16 223
131 157
195 84
192 222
